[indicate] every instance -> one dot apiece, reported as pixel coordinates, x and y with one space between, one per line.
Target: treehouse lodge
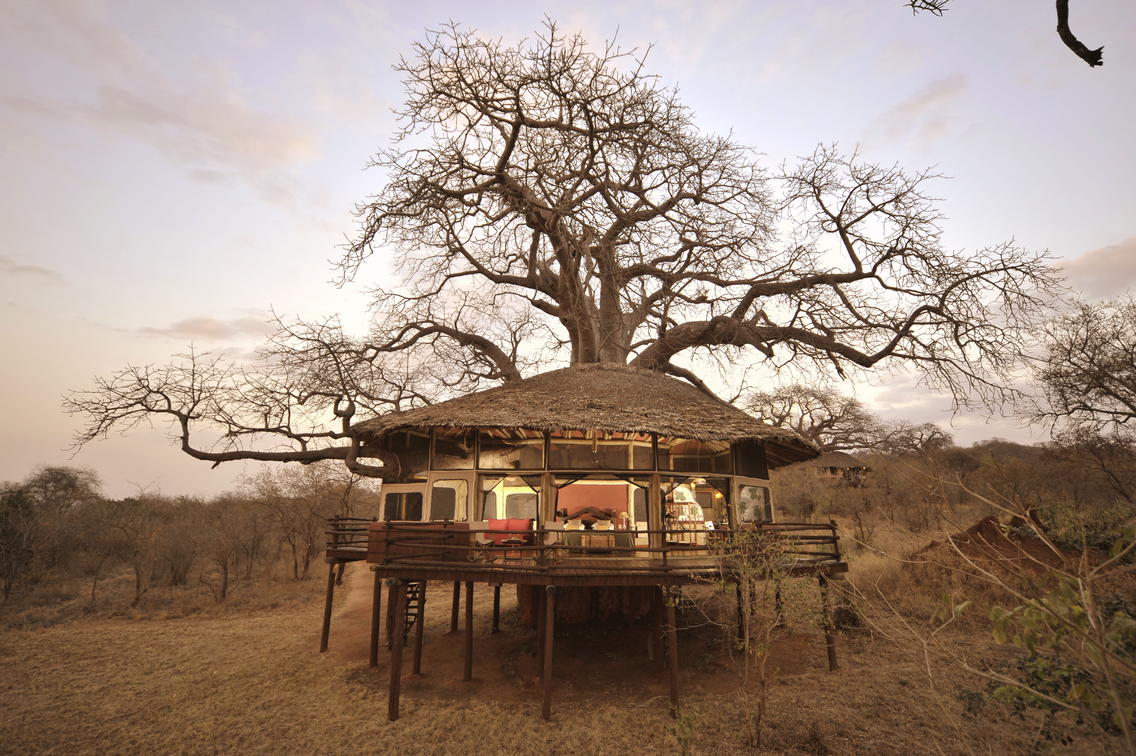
595 489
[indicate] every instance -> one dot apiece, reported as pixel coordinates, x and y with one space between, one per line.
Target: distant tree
831 420
547 204
1092 57
299 502
907 438
836 422
19 536
59 489
1088 373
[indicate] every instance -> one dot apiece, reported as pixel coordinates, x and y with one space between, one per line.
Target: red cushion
520 524
499 525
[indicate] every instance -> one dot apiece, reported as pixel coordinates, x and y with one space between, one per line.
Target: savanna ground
246 676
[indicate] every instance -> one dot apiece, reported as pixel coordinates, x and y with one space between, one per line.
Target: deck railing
446 544
347 532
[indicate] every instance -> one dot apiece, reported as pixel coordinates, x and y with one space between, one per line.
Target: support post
672 650
376 615
398 598
468 631
541 630
826 621
549 633
497 608
419 627
339 574
654 634
390 613
326 630
454 607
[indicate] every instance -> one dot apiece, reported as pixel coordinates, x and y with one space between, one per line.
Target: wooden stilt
672 650
339 574
497 608
326 630
419 624
397 597
654 634
468 631
826 621
390 613
454 607
541 630
549 633
376 614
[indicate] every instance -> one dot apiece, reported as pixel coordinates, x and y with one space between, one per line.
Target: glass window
690 455
453 448
403 506
412 506
413 451
391 506
505 497
511 450
521 505
447 500
749 459
754 504
580 450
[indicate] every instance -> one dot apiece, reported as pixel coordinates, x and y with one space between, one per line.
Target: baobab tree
550 204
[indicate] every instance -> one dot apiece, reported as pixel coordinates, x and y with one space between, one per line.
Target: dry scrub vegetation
179 667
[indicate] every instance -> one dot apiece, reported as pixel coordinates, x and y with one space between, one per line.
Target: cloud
923 117
10 267
1104 272
199 119
211 329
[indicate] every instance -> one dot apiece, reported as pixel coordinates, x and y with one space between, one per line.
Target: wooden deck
407 556
440 551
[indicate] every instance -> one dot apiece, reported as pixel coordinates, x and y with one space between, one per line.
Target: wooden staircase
415 605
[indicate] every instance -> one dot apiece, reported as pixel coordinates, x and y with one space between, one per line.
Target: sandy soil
255 683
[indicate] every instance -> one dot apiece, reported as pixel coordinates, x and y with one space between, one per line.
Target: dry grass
253 682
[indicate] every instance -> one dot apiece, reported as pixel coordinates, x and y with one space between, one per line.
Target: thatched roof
603 397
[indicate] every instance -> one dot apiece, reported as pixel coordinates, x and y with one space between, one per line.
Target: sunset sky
173 171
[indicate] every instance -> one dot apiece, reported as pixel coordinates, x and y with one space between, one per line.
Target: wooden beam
497 608
672 650
541 629
418 628
826 620
454 607
390 613
549 634
325 632
376 615
468 631
654 633
398 589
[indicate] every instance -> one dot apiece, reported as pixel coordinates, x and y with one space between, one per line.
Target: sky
177 171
